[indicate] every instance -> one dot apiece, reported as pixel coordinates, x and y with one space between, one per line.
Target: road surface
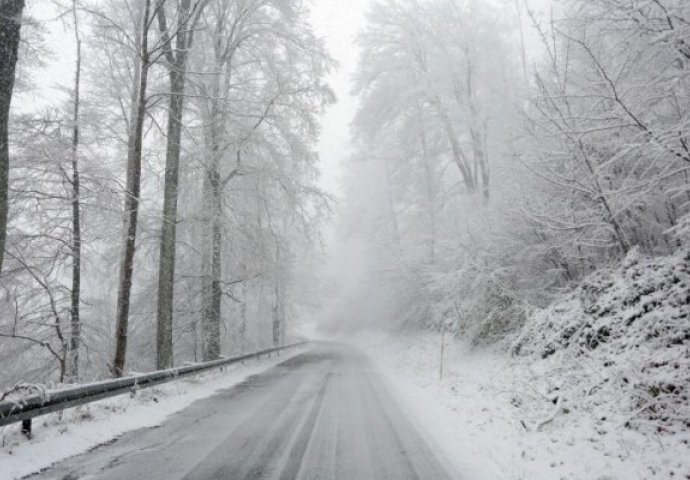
324 414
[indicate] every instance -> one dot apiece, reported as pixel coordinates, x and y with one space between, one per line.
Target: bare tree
176 60
75 333
244 144
133 187
265 74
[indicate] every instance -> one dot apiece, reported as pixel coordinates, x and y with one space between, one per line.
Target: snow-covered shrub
622 337
476 299
495 313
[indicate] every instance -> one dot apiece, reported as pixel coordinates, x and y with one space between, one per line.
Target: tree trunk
211 257
523 50
277 313
177 67
478 147
279 297
131 207
459 156
10 25
212 236
211 294
75 337
431 197
391 206
243 310
602 197
480 159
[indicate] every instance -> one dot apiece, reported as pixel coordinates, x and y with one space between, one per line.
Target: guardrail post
26 428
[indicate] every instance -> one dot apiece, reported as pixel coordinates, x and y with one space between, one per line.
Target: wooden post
443 345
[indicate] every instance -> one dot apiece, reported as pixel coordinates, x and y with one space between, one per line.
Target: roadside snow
79 429
621 342
493 418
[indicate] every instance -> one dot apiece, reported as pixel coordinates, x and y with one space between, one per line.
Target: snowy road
320 415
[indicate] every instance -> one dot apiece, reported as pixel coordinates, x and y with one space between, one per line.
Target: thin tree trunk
10 26
207 330
177 69
216 294
459 156
131 209
243 310
478 150
523 50
602 197
282 315
211 291
481 164
431 198
282 264
75 337
212 254
278 323
480 168
211 295
391 206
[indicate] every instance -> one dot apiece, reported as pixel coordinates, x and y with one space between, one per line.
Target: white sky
338 21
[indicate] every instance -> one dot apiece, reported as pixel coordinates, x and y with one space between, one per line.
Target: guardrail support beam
26 428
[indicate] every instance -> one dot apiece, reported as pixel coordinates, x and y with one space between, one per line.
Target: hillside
620 342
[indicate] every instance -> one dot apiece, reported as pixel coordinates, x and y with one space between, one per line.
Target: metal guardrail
24 409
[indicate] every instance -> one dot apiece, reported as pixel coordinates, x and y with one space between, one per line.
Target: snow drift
622 339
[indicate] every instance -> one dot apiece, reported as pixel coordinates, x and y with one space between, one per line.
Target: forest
519 184
487 199
502 155
172 187
163 204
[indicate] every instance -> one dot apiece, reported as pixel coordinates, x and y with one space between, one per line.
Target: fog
463 222
235 174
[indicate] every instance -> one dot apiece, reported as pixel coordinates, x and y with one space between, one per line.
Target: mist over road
323 414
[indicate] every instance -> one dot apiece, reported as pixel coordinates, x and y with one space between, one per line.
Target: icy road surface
324 414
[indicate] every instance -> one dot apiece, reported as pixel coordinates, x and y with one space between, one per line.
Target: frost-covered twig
21 390
551 417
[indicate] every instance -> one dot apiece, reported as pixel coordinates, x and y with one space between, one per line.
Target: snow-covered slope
493 418
596 387
620 344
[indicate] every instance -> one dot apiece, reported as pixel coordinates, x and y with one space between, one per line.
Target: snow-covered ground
494 418
79 429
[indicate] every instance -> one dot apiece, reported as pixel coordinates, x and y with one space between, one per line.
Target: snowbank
495 419
620 345
61 435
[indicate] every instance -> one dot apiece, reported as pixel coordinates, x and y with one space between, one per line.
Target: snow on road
324 414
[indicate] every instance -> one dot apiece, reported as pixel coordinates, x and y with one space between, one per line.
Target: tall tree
258 104
441 56
75 334
10 26
176 61
133 187
255 77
